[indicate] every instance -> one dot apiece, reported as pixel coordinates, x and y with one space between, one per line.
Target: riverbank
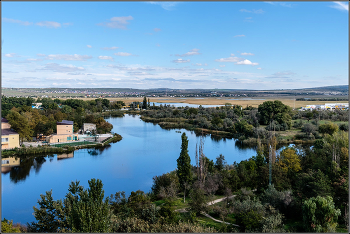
182 123
52 149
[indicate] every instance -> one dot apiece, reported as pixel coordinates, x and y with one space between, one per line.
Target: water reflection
20 173
8 163
65 156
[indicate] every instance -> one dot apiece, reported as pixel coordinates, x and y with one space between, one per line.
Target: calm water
145 151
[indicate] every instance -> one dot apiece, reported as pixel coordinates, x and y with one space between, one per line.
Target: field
255 102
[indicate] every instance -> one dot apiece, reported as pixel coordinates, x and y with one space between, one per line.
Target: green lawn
74 144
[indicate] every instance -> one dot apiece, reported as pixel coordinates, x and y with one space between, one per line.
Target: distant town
326 92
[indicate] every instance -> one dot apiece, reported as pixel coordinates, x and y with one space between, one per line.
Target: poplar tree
184 165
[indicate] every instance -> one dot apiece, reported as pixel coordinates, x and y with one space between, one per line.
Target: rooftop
5 132
65 122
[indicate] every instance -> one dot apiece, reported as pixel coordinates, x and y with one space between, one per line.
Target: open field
255 102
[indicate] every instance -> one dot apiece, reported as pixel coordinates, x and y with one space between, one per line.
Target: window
5 161
4 139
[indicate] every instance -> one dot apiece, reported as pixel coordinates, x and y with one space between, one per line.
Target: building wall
64 129
62 138
10 162
89 127
5 125
10 141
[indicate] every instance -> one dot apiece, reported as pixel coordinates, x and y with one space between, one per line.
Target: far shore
243 101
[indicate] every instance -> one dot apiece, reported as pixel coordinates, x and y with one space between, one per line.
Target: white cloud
284 4
88 46
239 36
122 54
190 53
110 48
24 23
229 59
285 75
67 24
236 60
117 22
197 64
180 61
49 24
157 29
105 57
165 5
246 54
11 55
62 68
222 65
68 57
341 6
33 59
246 62
260 11
259 68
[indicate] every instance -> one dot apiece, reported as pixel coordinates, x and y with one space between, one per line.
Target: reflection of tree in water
21 172
97 151
104 148
241 146
38 162
93 152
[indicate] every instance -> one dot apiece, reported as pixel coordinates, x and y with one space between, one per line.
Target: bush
320 215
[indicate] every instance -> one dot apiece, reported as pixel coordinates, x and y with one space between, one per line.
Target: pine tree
184 164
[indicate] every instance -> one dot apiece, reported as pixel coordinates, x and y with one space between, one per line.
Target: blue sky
182 45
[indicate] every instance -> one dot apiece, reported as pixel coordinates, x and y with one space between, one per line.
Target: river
145 151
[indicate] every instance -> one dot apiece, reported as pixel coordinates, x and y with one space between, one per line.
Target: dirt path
209 204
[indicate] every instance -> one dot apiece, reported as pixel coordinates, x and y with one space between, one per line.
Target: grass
74 144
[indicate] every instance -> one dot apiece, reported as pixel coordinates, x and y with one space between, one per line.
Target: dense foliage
81 211
29 122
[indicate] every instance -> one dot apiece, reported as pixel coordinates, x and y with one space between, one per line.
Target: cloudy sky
236 45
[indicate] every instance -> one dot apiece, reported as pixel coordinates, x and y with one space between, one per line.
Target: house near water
64 133
9 137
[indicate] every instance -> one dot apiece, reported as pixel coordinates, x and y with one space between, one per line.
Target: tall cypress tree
144 103
184 165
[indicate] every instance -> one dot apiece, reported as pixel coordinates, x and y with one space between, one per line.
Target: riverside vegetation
309 193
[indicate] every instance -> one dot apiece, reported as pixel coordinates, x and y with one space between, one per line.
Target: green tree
7 227
274 110
198 201
320 214
144 103
220 163
328 128
85 210
50 215
184 164
20 124
289 160
81 211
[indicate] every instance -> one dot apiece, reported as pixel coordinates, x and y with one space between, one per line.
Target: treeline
29 122
248 122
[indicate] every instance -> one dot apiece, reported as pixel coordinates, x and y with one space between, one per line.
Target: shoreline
33 151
